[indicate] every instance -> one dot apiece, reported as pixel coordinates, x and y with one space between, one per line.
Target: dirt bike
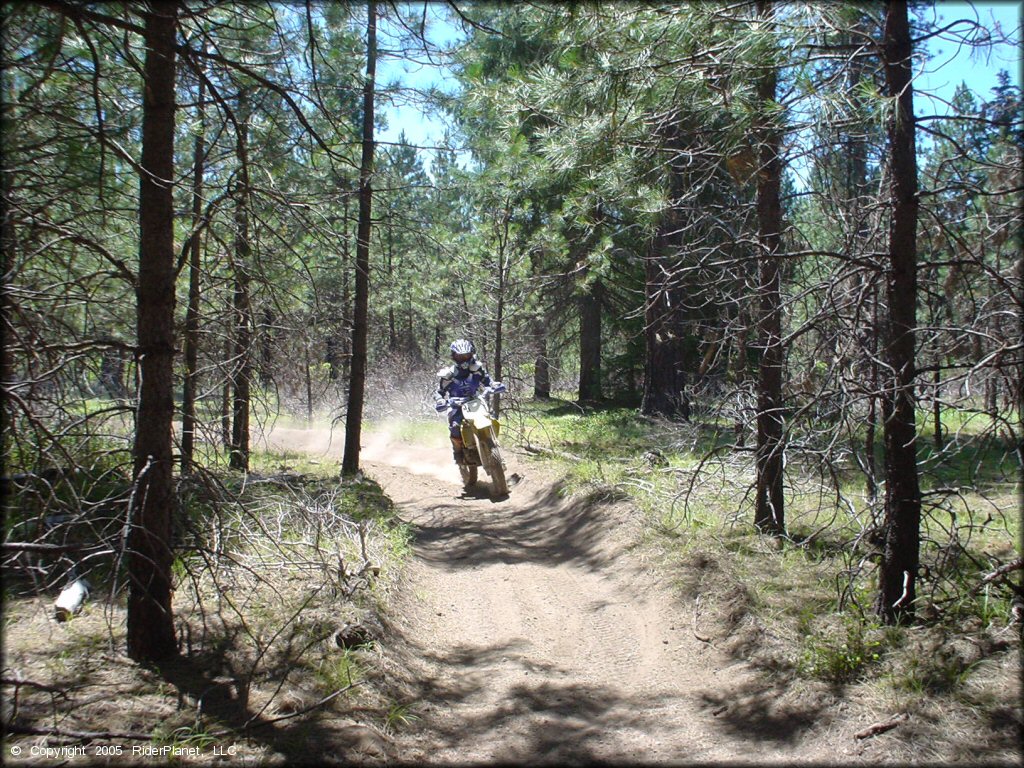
480 440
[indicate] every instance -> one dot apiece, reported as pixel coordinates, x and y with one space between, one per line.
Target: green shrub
840 657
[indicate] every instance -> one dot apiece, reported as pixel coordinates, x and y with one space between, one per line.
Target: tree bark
1018 386
590 344
542 365
503 263
666 363
343 342
188 397
360 320
243 366
665 369
899 563
309 389
392 322
225 401
150 620
769 513
267 337
857 189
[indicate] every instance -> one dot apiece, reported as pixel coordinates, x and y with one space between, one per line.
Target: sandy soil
533 629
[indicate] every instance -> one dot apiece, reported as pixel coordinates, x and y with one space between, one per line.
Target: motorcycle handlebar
494 389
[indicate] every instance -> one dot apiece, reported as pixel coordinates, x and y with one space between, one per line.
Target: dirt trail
531 630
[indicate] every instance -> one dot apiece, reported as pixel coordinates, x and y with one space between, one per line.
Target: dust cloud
387 442
400 427
425 456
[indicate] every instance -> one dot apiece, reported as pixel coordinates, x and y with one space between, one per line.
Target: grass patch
840 652
340 671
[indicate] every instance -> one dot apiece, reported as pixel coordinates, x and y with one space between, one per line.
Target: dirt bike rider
462 379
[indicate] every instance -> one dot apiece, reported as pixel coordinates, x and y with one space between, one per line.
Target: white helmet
462 352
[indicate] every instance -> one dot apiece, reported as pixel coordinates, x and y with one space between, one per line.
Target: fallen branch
529 448
1013 565
32 546
249 725
882 727
286 480
135 736
68 734
696 606
19 681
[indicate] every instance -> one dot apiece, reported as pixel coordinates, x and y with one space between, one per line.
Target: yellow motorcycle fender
467 430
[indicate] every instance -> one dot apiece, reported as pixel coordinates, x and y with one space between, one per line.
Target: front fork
470 452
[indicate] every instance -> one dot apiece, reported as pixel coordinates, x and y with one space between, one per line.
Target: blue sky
420 127
950 64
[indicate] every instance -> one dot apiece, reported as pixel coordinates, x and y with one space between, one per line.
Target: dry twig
881 727
696 607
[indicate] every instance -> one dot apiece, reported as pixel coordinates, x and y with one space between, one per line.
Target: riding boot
457 449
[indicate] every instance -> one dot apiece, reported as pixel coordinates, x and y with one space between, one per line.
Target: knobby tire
495 465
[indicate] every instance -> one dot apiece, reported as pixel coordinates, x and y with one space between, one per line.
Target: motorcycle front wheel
496 467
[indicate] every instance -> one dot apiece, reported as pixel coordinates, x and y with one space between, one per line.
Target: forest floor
546 628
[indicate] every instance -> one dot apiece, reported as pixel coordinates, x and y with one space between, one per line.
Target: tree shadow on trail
553 716
222 695
548 717
548 529
760 711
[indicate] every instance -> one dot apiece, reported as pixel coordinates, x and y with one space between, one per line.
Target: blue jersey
457 381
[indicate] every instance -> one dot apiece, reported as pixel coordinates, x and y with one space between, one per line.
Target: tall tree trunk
242 380
590 343
937 438
900 556
309 388
345 341
267 337
392 322
859 209
542 365
188 398
665 368
225 400
870 435
503 264
150 620
360 330
1017 388
769 512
